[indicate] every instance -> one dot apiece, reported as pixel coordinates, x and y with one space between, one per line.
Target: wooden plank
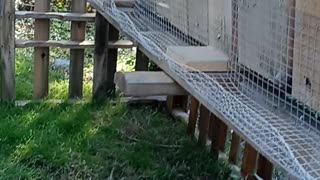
306 64
89 17
249 161
41 56
78 33
142 61
206 59
265 168
218 136
203 125
177 102
104 60
193 116
71 44
7 51
234 149
125 3
144 83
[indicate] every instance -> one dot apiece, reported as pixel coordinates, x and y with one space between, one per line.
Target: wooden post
105 59
249 161
193 116
177 101
218 135
7 51
203 125
78 32
142 61
265 168
41 55
234 149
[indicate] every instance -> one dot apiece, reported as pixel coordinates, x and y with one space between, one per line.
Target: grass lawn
112 141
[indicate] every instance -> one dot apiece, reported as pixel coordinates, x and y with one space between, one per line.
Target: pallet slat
89 17
71 44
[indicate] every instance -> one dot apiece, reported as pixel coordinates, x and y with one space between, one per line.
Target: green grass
82 141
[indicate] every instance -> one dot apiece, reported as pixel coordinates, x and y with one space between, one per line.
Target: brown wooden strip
234 149
223 133
41 56
142 61
265 168
193 116
89 17
7 52
177 102
249 161
203 125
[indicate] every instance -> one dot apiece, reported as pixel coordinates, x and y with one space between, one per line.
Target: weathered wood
265 168
124 3
207 59
203 125
7 52
142 61
78 32
105 60
249 161
89 17
234 149
144 83
177 102
41 55
71 44
193 116
218 134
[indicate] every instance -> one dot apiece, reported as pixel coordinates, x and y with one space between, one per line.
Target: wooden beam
265 168
142 61
41 55
144 83
89 17
71 44
234 149
193 117
249 161
78 33
203 125
125 3
105 59
7 51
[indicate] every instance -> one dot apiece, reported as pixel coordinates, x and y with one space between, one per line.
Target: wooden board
144 83
262 37
306 71
7 53
198 18
220 22
207 59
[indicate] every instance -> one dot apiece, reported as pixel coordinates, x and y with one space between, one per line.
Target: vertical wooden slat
218 136
234 149
223 133
78 32
142 61
41 55
105 60
193 116
265 168
203 125
177 101
7 51
249 161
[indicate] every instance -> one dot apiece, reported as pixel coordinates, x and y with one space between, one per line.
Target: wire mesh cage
271 91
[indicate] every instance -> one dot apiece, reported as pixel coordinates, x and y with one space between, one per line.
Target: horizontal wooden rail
71 44
56 15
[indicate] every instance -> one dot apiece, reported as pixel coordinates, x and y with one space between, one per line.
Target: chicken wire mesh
270 93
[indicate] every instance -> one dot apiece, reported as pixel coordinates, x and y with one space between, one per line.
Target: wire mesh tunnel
271 91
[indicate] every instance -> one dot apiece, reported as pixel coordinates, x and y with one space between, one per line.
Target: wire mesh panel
270 94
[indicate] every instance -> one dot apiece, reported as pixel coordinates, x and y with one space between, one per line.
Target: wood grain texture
234 149
249 161
265 168
7 51
41 55
104 59
193 116
203 125
142 61
78 32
